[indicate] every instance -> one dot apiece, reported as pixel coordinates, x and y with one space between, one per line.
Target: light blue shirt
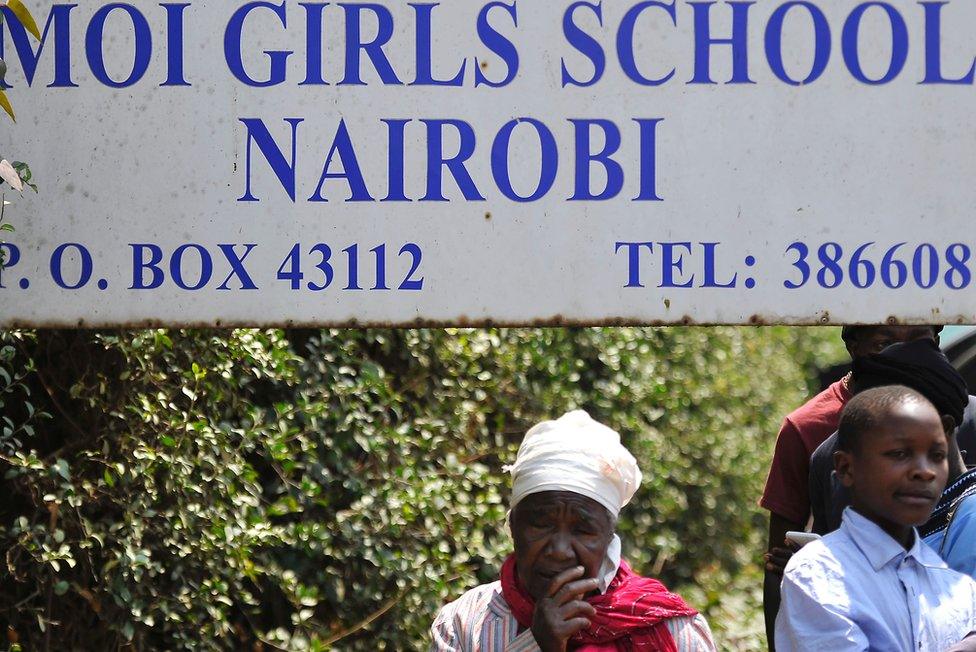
957 543
859 589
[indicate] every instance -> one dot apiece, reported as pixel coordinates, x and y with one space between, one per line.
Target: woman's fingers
563 612
567 586
574 590
562 578
576 625
577 608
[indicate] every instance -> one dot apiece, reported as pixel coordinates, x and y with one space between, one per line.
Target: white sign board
469 162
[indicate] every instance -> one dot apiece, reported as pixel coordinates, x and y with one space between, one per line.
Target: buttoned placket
908 575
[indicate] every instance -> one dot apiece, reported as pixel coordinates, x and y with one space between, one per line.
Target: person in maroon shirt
786 495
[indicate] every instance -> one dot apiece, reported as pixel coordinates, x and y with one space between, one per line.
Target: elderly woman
566 586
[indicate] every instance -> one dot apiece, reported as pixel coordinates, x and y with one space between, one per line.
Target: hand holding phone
800 539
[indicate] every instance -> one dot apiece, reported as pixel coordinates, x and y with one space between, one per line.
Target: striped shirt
481 621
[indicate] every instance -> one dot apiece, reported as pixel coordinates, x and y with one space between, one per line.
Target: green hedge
331 489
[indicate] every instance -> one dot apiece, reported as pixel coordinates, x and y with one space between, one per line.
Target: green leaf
6 106
24 16
61 466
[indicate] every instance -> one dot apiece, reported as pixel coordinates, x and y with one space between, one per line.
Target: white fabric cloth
610 565
576 453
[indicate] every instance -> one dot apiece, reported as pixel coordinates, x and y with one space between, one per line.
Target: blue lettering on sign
498 44
708 259
174 44
833 267
369 31
738 41
313 43
372 49
626 41
193 267
233 36
57 264
237 267
291 268
633 261
140 265
821 42
584 43
933 49
500 160
425 73
9 257
437 162
667 265
58 20
58 28
396 160
176 267
673 259
648 159
96 35
585 157
671 262
258 133
148 258
899 43
351 172
441 159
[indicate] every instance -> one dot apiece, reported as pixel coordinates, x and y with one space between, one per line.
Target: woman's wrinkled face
557 530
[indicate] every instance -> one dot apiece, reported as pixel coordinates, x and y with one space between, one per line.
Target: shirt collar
498 605
880 548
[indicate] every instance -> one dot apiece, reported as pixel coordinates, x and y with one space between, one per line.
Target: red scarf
629 616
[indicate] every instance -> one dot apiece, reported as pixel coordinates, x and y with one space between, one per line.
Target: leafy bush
331 489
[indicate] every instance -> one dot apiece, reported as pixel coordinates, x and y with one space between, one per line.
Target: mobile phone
801 538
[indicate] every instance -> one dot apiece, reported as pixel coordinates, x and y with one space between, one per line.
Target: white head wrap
575 453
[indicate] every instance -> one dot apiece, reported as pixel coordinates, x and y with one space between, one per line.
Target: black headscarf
921 366
850 332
